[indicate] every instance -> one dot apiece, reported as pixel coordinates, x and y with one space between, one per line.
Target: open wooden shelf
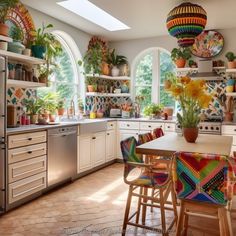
109 77
5 39
22 58
95 94
24 84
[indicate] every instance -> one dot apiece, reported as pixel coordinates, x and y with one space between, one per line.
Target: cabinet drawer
20 140
26 187
170 127
228 129
111 125
151 125
25 153
128 125
24 169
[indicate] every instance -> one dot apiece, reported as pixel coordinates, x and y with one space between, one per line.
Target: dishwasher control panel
62 130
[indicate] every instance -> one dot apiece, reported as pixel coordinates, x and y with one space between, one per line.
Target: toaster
115 113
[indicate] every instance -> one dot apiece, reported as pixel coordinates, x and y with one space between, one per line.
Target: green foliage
60 103
115 59
230 56
17 34
178 53
44 38
80 103
152 109
91 81
33 106
5 6
50 102
92 60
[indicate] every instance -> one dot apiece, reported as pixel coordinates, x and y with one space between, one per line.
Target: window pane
165 98
166 65
147 93
143 73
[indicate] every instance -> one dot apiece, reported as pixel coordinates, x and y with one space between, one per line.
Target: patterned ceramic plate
208 44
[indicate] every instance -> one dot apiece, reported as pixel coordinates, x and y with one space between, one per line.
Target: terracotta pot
33 119
190 134
90 88
60 111
168 110
52 118
4 29
231 64
105 68
99 115
43 79
228 116
45 116
180 63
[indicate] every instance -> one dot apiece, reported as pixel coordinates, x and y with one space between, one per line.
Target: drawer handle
29 139
128 125
93 137
108 134
235 130
149 126
168 127
29 152
111 124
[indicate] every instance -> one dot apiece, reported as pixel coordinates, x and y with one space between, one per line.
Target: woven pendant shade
185 22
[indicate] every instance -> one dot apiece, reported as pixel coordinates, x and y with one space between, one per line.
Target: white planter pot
115 71
26 52
3 45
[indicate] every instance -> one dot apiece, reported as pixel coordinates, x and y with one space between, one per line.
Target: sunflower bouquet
192 96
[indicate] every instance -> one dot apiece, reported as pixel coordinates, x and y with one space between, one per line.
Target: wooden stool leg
185 225
139 205
162 209
127 209
144 208
180 219
174 203
224 222
153 193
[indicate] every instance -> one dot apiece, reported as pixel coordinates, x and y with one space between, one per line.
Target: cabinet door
98 149
84 153
124 134
110 145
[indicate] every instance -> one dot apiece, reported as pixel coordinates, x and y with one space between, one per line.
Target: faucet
71 110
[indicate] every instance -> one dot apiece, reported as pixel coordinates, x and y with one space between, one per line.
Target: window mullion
155 75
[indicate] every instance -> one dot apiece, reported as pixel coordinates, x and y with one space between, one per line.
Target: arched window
65 77
149 70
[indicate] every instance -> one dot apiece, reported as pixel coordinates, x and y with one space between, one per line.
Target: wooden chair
146 179
201 186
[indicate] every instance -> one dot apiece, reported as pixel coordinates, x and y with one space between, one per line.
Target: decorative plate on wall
208 44
21 17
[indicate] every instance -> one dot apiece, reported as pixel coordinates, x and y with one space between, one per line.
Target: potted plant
61 107
45 45
230 57
91 83
81 105
192 64
33 108
115 61
44 72
92 60
5 6
153 110
126 110
193 97
50 105
180 56
18 36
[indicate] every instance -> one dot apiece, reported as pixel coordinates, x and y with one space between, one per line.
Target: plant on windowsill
91 83
61 107
180 55
50 105
33 108
81 105
153 111
192 96
115 61
231 60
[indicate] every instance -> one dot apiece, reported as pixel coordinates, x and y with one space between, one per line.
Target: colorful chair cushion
201 177
157 133
144 138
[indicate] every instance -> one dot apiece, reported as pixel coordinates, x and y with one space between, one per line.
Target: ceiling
145 17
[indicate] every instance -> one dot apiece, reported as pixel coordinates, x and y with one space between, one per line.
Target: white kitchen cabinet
169 128
122 135
150 126
230 130
98 149
110 145
84 161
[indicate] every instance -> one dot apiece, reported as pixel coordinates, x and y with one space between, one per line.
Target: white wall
131 48
81 38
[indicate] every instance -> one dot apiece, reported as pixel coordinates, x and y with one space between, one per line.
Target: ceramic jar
230 86
115 71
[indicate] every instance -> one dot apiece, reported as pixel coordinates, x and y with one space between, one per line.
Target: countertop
29 128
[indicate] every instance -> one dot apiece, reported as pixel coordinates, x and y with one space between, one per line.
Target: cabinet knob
29 139
108 134
149 126
29 152
93 137
235 130
168 127
127 125
111 124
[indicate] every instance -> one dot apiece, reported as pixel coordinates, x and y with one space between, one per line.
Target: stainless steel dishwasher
62 154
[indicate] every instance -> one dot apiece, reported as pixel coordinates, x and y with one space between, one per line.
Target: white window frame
156 78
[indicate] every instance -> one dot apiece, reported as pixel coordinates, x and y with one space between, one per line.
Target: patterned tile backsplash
16 96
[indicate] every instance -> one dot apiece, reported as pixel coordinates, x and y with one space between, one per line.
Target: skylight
91 12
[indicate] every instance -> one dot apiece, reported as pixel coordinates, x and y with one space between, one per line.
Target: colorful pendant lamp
185 22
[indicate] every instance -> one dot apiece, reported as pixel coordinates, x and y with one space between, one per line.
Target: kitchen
68 107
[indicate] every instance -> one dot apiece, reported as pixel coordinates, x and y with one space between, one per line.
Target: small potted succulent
5 6
115 61
231 60
61 107
91 83
17 35
180 56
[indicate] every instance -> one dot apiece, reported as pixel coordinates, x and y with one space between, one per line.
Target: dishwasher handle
63 134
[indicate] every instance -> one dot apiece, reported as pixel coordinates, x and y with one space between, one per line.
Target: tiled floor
93 205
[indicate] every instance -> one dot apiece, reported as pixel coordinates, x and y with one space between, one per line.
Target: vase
38 51
115 71
190 134
60 111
